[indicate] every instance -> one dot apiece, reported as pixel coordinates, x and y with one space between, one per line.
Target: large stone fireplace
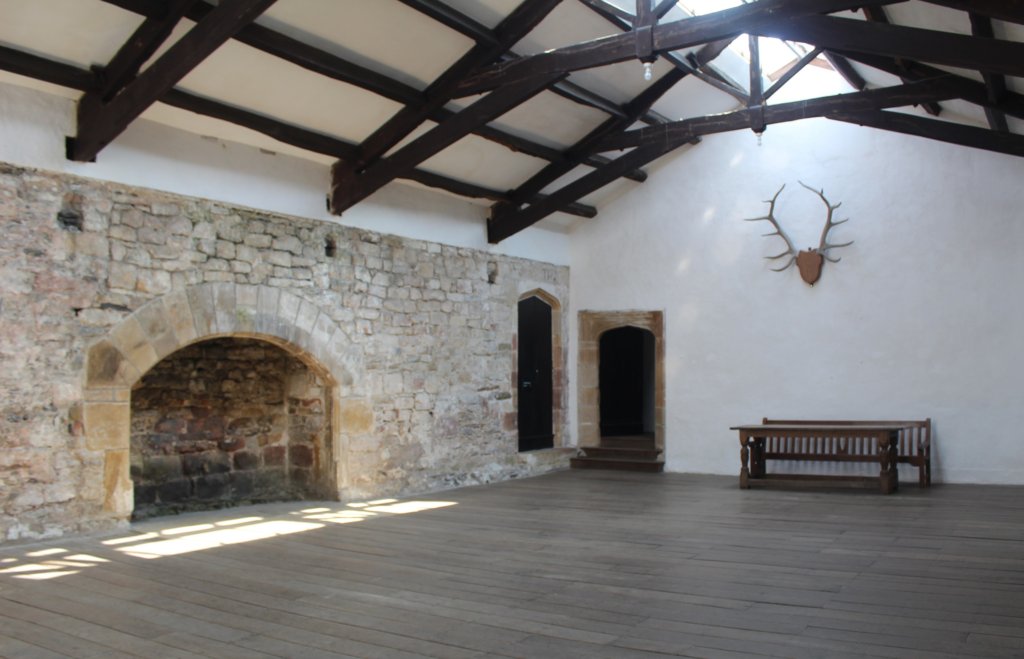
225 422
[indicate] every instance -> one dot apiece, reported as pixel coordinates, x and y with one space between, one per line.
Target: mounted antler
808 261
824 245
790 251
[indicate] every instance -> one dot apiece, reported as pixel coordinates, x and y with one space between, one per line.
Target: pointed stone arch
162 326
592 324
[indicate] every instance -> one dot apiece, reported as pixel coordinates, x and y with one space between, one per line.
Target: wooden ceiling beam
654 141
675 35
879 15
958 50
679 132
981 26
965 89
797 67
64 75
935 129
503 226
456 20
143 43
514 27
843 67
349 188
40 68
577 154
1003 10
99 123
334 67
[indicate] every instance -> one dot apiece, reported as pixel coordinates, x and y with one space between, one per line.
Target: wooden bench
877 442
913 448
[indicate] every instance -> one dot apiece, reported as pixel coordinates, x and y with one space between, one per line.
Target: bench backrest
915 436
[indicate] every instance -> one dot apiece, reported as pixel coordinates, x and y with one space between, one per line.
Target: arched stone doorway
592 325
117 362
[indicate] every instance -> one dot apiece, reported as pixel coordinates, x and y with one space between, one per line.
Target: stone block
179 314
355 416
162 468
130 339
174 491
300 455
274 456
106 366
117 484
245 460
106 426
210 462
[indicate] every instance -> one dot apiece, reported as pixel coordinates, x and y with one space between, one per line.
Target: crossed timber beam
651 142
100 121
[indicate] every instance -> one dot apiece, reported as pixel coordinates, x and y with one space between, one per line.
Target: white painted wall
921 318
33 125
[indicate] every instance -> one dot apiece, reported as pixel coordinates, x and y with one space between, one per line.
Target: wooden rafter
725 24
935 129
879 15
348 189
830 32
143 43
981 26
576 154
1010 103
65 75
652 142
513 28
100 122
337 68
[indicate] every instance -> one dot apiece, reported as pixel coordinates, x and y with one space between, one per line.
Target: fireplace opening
226 422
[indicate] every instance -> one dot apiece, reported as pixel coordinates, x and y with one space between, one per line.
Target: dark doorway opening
535 375
626 381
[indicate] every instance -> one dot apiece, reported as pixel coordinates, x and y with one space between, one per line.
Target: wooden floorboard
572 564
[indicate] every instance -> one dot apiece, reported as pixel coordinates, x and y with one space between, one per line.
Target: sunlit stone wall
100 281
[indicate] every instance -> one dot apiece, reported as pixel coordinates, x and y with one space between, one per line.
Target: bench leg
744 461
888 454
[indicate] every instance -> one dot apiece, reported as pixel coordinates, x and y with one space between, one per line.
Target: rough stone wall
223 422
427 332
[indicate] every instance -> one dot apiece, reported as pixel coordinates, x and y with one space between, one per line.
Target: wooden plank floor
572 564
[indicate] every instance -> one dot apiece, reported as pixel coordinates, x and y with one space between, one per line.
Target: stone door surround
164 325
592 324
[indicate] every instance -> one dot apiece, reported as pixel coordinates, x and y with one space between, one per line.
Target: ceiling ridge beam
99 123
937 129
349 188
727 23
464 189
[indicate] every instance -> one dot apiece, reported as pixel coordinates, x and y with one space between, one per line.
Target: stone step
628 441
655 466
621 453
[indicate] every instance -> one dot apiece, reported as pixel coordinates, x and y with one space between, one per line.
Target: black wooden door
535 381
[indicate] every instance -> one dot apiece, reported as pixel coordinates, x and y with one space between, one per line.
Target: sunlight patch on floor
54 562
